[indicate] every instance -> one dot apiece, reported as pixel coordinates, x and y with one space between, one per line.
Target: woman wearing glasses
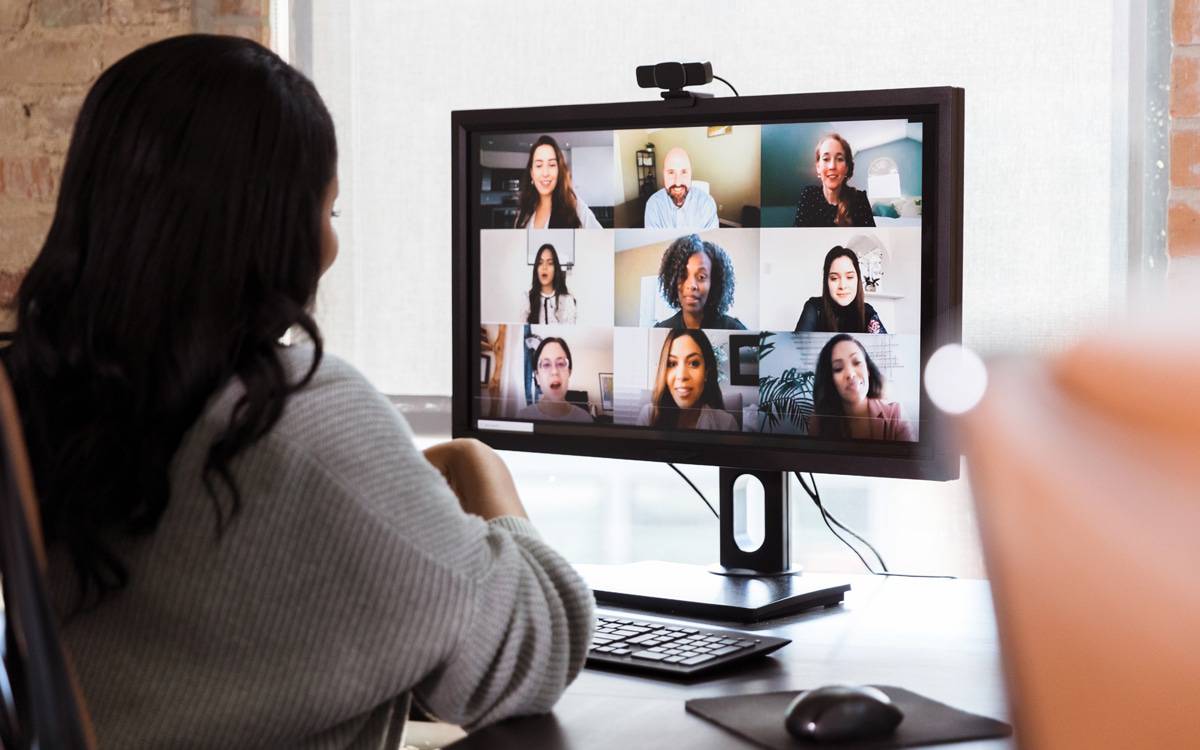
552 371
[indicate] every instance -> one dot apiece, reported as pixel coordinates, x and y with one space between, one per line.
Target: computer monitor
753 283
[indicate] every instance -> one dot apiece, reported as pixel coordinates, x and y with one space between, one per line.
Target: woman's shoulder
885 409
643 418
337 392
719 419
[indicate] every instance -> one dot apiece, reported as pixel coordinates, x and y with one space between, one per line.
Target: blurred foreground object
1086 475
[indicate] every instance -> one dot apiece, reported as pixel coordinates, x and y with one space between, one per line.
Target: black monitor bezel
935 456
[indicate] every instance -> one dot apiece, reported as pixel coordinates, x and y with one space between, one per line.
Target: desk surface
934 637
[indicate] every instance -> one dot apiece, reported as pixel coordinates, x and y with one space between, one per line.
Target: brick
1185 86
148 12
14 14
114 47
54 116
1185 158
62 13
22 238
251 8
1185 22
13 120
45 61
1183 223
28 178
247 29
10 282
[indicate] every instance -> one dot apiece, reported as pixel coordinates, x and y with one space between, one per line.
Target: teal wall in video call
787 167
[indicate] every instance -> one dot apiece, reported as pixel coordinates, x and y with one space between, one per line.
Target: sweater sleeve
499 623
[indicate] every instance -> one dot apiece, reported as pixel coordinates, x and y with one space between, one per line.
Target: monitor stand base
693 591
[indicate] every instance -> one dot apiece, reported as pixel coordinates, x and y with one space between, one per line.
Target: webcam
673 76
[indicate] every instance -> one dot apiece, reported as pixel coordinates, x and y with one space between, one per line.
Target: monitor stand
747 586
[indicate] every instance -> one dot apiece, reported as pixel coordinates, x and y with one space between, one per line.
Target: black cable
826 516
816 495
727 83
697 489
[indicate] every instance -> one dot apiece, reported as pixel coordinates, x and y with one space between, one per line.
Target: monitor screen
740 283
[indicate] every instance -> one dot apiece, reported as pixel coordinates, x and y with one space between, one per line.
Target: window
1049 91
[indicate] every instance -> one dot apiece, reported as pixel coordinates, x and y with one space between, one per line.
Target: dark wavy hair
831 307
563 211
827 404
186 241
664 412
673 271
842 218
535 286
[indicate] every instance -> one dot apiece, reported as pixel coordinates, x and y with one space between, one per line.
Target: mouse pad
759 718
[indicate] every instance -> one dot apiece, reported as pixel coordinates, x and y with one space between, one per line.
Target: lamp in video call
701 285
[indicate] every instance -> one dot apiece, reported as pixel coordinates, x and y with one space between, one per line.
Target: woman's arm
860 212
809 317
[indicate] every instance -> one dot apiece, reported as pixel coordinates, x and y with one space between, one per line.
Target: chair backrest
40 703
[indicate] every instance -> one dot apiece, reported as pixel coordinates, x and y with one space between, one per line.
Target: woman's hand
478 477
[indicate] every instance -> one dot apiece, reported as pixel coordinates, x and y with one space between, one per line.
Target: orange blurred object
1086 475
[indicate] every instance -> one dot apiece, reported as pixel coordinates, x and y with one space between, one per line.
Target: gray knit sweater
350 577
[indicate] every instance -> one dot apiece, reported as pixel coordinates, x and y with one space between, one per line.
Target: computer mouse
837 713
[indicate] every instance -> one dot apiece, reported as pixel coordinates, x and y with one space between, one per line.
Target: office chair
40 703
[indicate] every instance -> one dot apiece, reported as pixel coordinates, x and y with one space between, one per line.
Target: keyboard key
649 655
724 650
673 659
698 659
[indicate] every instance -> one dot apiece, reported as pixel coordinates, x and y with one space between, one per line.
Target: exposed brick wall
1183 209
51 51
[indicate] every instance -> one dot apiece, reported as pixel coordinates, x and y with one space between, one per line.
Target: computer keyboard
630 644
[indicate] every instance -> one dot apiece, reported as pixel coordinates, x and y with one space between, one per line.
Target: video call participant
250 523
548 300
686 394
841 306
547 199
552 371
833 203
675 204
847 394
696 277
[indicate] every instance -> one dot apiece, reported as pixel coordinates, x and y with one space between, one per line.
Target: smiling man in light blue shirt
676 204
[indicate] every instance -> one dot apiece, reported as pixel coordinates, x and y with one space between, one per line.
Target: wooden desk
934 637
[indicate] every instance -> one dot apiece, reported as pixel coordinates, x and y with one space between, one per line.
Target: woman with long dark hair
548 199
841 306
247 546
831 202
686 393
548 300
848 395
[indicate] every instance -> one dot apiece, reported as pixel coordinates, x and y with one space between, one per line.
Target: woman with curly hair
848 396
696 277
686 394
